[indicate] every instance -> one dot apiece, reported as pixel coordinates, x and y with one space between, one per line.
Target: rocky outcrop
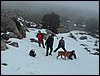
3 45
21 26
15 44
33 40
4 64
72 36
5 36
8 25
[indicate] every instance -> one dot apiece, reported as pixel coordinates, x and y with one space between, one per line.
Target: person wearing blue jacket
61 45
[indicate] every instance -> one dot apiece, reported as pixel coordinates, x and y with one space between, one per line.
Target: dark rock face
5 36
21 26
8 25
3 45
83 37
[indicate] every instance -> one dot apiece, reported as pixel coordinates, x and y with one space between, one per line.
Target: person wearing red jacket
40 39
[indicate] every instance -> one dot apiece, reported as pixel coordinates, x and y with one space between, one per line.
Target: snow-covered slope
20 63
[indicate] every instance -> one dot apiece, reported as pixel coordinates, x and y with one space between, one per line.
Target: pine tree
51 22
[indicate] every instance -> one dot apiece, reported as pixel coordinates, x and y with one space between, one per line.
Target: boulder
12 35
34 40
15 44
3 45
5 64
5 36
8 24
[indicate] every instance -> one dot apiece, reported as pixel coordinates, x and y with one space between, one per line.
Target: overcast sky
91 5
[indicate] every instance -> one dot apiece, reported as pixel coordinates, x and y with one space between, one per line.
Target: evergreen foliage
51 22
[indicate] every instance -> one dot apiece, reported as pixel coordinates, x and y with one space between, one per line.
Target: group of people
49 43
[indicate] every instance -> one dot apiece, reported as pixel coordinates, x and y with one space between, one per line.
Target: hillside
20 63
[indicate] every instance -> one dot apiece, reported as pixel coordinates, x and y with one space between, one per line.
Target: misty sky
91 5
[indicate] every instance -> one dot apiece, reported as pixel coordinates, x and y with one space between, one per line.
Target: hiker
40 39
61 45
49 44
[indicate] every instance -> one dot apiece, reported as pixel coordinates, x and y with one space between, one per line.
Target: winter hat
39 31
62 37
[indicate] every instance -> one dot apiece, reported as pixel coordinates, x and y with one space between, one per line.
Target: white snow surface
20 63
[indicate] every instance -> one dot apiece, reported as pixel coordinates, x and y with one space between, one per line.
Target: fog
90 5
65 9
74 11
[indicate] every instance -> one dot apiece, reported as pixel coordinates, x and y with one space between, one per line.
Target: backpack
32 53
61 41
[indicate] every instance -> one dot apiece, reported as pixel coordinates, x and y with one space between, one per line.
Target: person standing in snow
61 45
49 44
40 39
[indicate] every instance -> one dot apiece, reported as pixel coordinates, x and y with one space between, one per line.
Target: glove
45 44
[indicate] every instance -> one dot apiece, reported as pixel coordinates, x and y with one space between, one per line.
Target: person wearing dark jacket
40 39
49 44
61 45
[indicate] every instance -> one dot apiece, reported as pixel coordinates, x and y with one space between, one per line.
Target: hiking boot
54 51
44 47
50 54
46 55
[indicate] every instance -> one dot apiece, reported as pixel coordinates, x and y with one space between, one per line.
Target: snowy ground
20 63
